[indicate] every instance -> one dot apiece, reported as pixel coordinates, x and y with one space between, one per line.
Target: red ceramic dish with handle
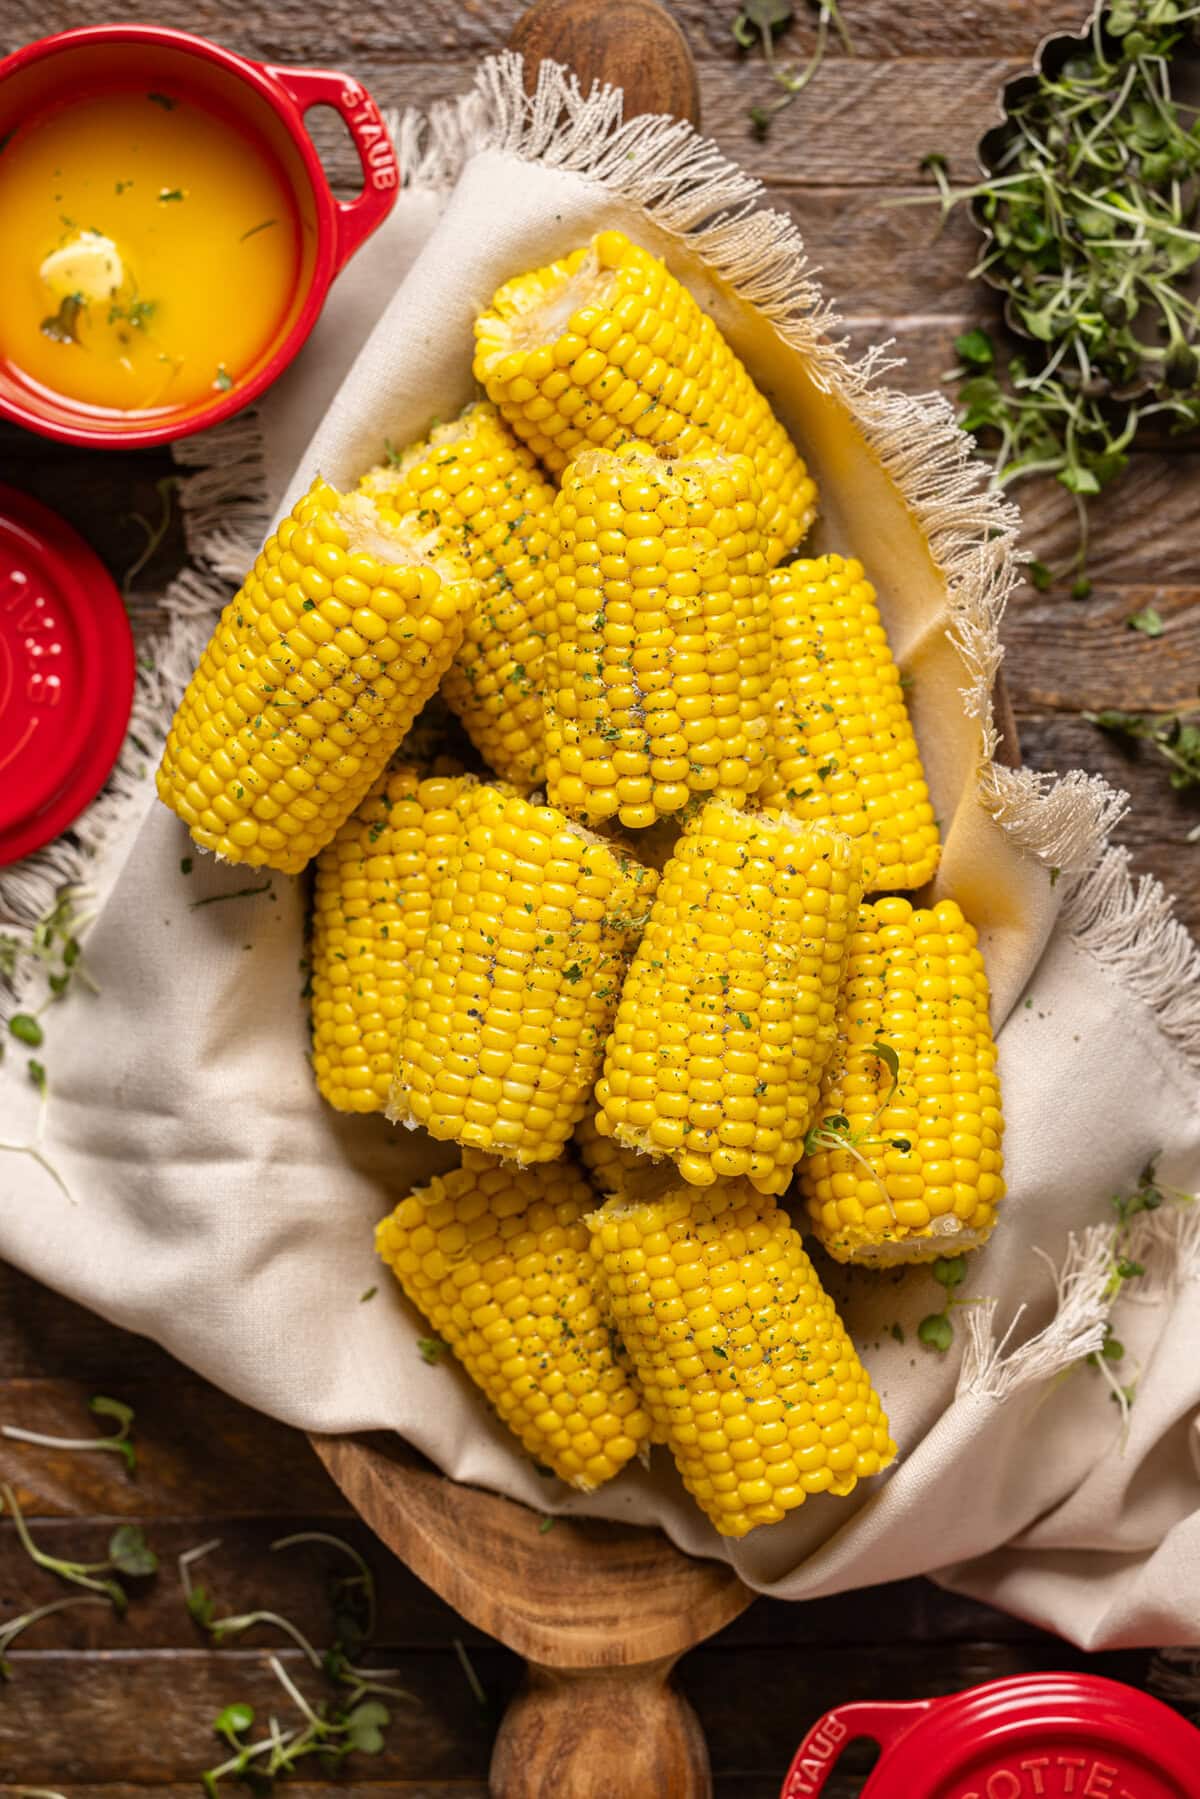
1039 1736
267 101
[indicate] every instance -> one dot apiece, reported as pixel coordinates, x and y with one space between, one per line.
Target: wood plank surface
108 1708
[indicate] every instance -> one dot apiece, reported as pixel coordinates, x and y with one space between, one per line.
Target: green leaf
976 347
223 380
26 1029
1079 480
103 1407
431 1349
762 18
890 1060
200 1606
129 1552
1041 576
235 1720
1148 621
949 1271
936 1332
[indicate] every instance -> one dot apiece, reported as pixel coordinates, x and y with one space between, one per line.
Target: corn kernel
532 924
499 1263
273 697
607 346
734 985
738 1392
916 1182
840 743
481 489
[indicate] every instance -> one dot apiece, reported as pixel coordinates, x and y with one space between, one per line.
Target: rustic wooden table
102 1709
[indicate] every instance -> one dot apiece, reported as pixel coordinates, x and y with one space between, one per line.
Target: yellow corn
498 1261
611 1167
373 891
483 490
658 646
338 636
532 925
744 1366
909 1170
727 1015
607 345
841 744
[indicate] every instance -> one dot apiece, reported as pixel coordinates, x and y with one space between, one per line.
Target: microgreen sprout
1175 736
468 1668
833 1132
128 1554
937 1330
15 1627
155 532
354 1723
1089 205
118 1441
759 23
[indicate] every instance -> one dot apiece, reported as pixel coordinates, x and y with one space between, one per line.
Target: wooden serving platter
600 1612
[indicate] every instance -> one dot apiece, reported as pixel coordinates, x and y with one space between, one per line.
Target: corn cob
611 1167
727 1015
374 888
908 1166
484 492
841 744
532 925
658 646
499 1263
744 1366
607 345
318 666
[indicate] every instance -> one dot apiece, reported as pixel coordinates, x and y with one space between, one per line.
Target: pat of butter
89 265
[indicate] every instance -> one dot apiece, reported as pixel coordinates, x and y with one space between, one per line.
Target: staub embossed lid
66 674
1044 1736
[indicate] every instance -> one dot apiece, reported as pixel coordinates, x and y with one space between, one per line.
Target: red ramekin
267 101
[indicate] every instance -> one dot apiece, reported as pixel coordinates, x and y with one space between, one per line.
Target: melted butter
150 251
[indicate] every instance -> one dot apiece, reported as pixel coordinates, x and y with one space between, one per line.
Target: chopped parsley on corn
744 1366
498 1261
658 644
841 744
481 488
908 1168
372 897
607 345
533 922
338 636
727 1016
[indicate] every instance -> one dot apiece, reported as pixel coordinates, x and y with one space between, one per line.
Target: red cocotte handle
818 1754
356 219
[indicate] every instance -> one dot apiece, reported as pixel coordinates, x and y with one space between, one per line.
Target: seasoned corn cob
374 888
841 744
658 646
611 1167
532 925
919 1175
607 345
483 490
727 1015
338 636
499 1263
744 1366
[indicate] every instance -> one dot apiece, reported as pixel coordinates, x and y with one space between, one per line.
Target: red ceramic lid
66 674
1045 1736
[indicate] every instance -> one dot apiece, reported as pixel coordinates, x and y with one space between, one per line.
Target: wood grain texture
105 1709
585 1594
635 45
